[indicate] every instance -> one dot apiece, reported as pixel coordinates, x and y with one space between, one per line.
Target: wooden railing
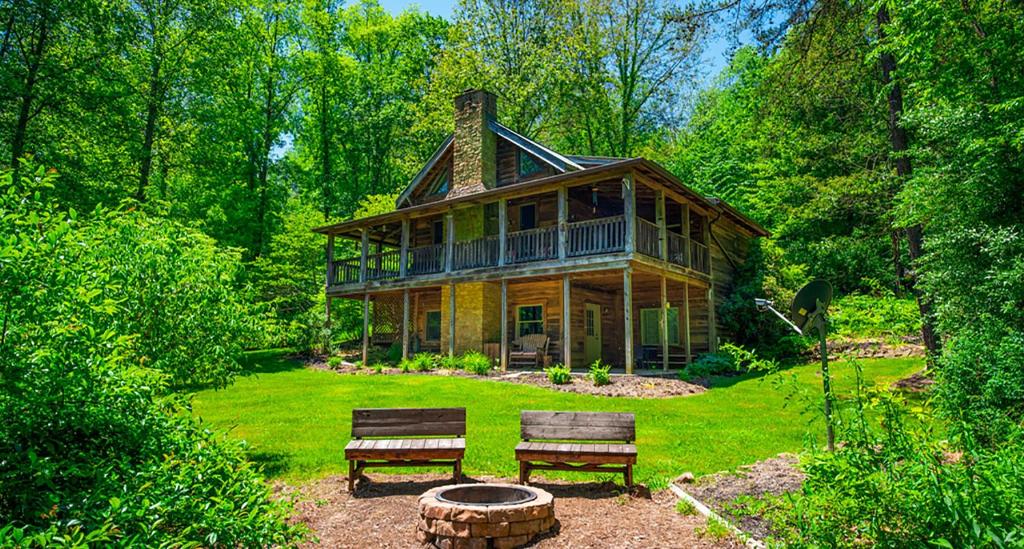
595 236
532 245
426 260
677 249
383 265
471 254
647 241
700 260
345 271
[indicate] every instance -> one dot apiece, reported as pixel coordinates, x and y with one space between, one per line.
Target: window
589 322
491 219
527 217
438 232
440 183
529 320
433 325
527 165
650 329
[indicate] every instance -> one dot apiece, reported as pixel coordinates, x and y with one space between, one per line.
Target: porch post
327 311
502 231
686 320
662 225
449 246
366 328
451 319
403 260
566 323
712 314
563 223
364 254
330 260
405 323
686 235
627 310
629 211
663 321
504 325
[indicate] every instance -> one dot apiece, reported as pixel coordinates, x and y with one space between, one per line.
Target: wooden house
499 237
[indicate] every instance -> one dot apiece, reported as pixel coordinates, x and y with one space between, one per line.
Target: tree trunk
27 96
325 151
152 112
899 144
264 168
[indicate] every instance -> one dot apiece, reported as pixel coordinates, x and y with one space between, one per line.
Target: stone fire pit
484 515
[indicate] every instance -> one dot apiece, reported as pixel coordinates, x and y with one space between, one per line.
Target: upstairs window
527 217
440 183
438 232
527 166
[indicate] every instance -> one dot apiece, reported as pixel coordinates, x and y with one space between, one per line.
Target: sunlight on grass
297 420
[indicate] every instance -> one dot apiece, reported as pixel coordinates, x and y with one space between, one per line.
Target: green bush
420 362
707 365
394 353
334 362
558 374
450 362
102 319
599 374
477 363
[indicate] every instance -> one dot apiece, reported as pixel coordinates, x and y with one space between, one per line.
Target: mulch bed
917 382
621 385
773 476
384 513
906 347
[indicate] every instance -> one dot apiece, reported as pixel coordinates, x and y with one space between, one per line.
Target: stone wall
477 315
474 167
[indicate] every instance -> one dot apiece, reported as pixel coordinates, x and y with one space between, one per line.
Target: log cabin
499 237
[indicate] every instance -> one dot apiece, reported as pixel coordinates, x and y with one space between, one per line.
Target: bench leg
629 476
458 471
351 476
524 472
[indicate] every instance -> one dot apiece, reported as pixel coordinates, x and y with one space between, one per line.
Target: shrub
600 374
378 368
707 365
684 507
96 446
558 374
449 362
394 353
334 362
477 363
715 529
420 362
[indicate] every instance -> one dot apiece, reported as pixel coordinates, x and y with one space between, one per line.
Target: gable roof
416 181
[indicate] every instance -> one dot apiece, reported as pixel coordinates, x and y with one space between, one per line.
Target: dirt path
384 514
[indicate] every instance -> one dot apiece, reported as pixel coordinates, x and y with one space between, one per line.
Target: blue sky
715 58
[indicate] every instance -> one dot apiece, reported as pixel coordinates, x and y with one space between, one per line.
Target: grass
297 420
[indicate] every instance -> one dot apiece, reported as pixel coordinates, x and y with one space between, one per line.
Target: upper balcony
571 226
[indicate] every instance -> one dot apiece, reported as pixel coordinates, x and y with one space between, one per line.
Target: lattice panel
387 319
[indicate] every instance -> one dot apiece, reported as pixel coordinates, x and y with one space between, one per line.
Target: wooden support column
686 235
563 223
566 322
662 225
627 312
451 319
403 259
364 254
629 211
366 329
663 322
504 325
327 311
449 237
686 320
502 231
330 260
712 314
405 323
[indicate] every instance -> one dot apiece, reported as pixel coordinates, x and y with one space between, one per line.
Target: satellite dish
805 304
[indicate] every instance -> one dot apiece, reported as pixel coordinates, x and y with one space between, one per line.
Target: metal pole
820 322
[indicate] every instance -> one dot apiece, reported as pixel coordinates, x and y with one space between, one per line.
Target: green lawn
297 420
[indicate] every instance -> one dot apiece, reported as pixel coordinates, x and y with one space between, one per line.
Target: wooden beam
449 247
451 319
686 235
330 260
504 325
403 260
364 254
566 322
366 328
629 211
563 223
686 320
663 323
662 228
627 310
712 314
405 323
502 230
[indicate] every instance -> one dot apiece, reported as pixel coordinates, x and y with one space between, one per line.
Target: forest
165 160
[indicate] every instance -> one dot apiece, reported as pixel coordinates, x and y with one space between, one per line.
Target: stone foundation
458 526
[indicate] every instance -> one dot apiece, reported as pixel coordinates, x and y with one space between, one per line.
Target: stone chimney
474 166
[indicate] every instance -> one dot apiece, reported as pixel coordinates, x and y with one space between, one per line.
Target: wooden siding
508 165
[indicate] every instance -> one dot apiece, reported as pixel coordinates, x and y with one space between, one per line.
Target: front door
592 325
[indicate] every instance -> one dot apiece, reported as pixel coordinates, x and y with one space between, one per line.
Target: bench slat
577 426
399 422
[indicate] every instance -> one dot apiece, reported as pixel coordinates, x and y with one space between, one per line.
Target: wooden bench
383 437
577 441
